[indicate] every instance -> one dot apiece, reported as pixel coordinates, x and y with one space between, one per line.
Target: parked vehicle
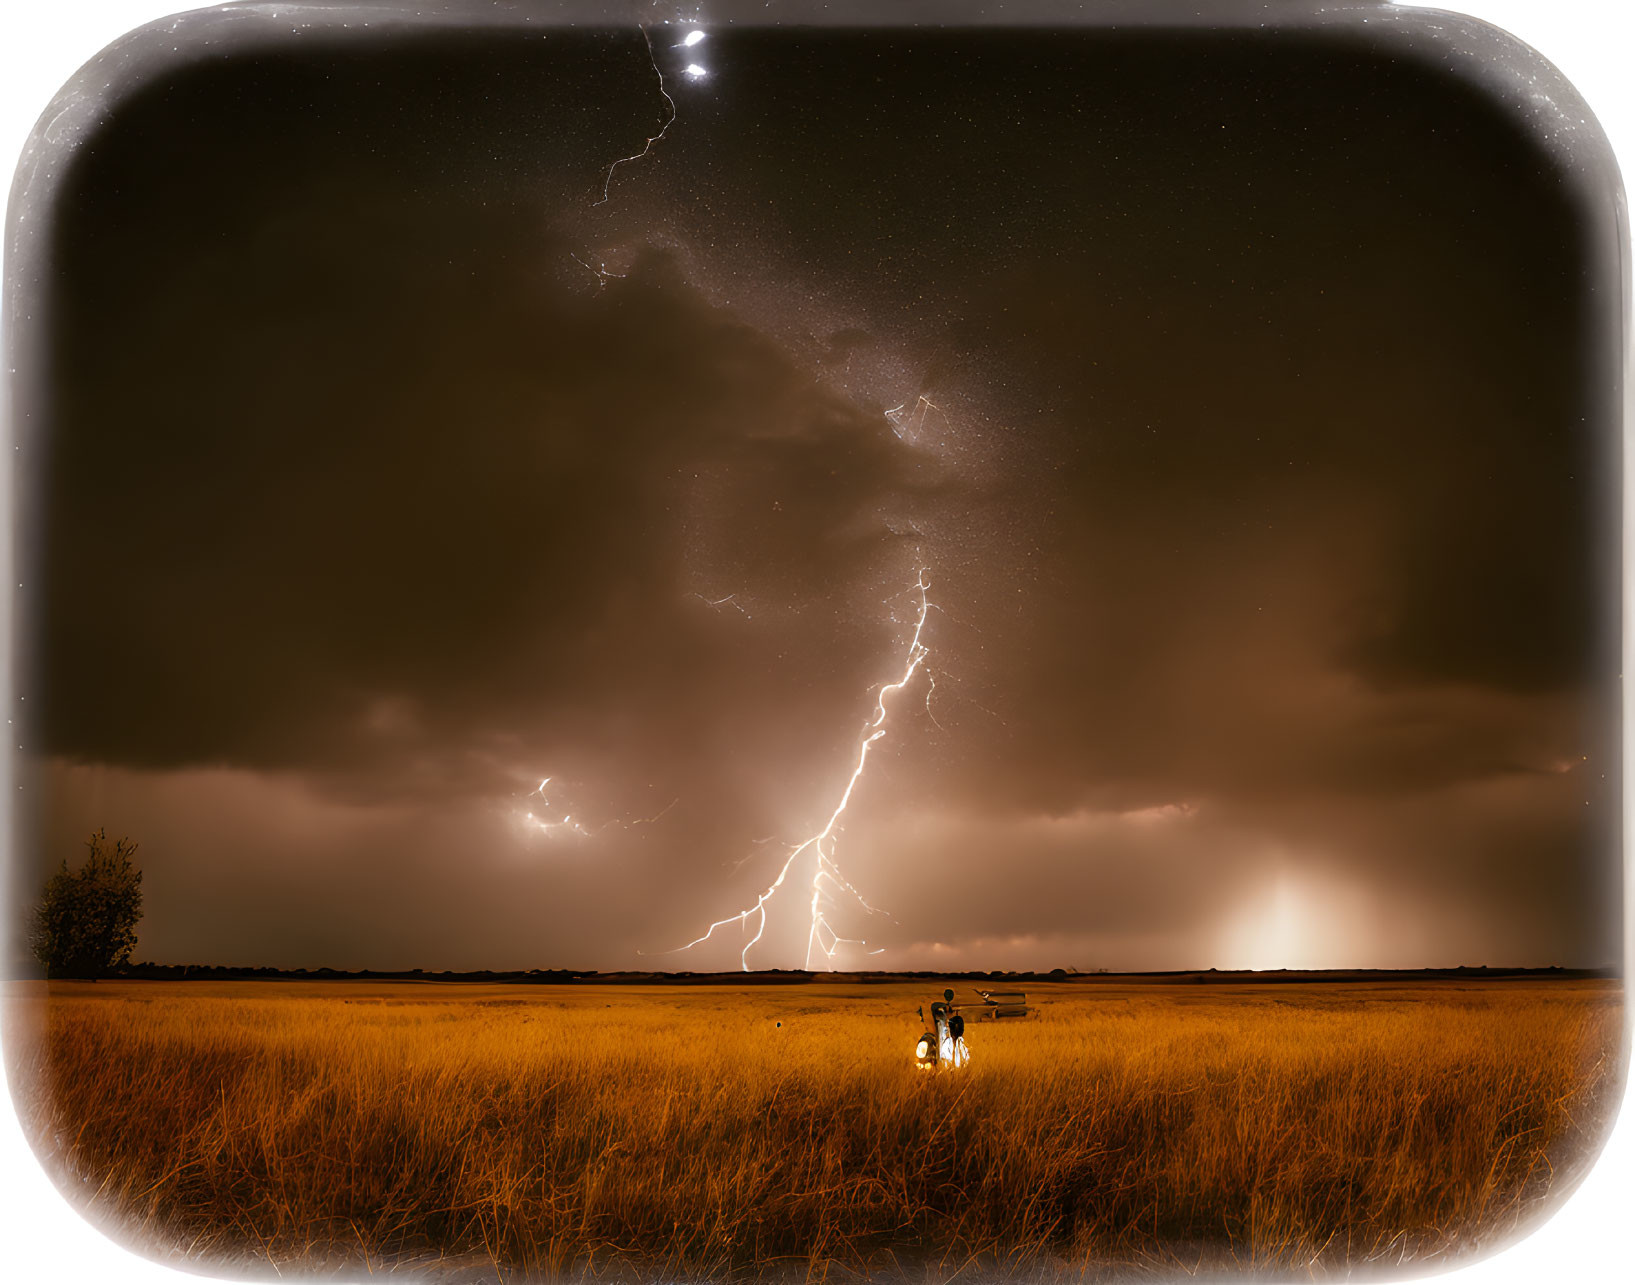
1000 1004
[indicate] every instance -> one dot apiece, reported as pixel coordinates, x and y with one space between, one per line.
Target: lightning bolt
601 273
630 825
827 877
554 827
545 826
909 422
647 147
600 269
731 600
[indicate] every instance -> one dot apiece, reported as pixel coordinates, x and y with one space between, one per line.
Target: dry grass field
530 1132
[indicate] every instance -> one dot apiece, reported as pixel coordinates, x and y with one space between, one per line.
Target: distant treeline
797 977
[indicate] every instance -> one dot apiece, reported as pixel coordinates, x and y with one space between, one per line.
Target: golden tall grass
669 1133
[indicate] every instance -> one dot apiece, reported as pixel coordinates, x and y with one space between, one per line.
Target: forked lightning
669 120
822 938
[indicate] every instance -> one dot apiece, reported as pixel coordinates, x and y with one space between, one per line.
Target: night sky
1236 397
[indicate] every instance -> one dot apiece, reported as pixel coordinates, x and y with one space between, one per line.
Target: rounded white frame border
44 42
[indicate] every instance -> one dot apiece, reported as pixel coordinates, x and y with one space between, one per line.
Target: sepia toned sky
1238 400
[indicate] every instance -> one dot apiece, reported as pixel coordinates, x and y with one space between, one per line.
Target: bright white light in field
695 71
693 37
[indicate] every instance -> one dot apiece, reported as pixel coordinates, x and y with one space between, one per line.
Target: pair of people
944 1044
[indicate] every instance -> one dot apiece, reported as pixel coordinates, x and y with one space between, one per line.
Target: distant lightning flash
600 269
909 422
545 826
826 875
600 272
647 147
731 600
556 827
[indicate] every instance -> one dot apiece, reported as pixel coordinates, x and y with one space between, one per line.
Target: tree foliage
85 923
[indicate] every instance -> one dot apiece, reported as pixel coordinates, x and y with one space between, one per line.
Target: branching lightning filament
647 147
910 422
827 879
600 272
567 825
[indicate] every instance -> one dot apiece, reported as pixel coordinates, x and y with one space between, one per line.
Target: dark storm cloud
1309 382
1475 873
259 868
1265 504
428 493
1309 500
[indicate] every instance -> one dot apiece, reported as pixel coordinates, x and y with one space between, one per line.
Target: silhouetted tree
85 924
